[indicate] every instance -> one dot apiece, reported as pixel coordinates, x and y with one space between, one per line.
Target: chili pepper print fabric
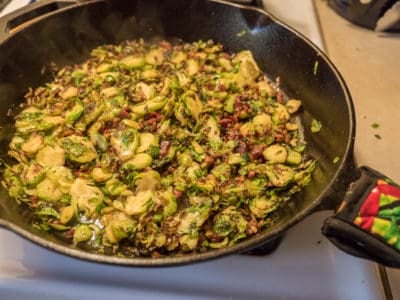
380 213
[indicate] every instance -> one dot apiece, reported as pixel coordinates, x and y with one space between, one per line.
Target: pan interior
67 36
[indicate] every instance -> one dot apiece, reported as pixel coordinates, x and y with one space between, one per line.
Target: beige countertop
370 64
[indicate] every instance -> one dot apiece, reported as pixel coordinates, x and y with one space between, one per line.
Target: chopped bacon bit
177 193
252 227
124 113
279 97
34 201
251 174
164 148
256 152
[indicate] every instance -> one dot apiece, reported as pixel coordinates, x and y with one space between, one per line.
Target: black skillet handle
367 223
24 15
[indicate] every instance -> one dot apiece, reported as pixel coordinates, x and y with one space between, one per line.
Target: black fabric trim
355 241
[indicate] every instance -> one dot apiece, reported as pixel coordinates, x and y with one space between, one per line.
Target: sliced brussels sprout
34 120
69 92
303 177
168 202
152 105
185 159
218 245
47 212
138 162
193 105
235 159
139 203
197 151
57 183
78 149
279 175
144 91
294 157
146 141
150 74
110 77
82 233
101 175
262 123
225 63
92 111
17 142
114 187
67 213
181 114
275 154
248 68
197 200
133 62
261 206
58 227
230 104
215 98
119 229
192 67
14 184
33 174
192 218
147 181
109 92
247 129
222 171
205 185
75 112
105 67
255 186
183 80
125 143
291 126
155 56
33 144
189 241
50 156
178 57
77 76
293 105
48 190
85 196
229 222
280 114
265 88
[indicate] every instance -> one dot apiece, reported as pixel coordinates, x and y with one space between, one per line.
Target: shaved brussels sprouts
156 149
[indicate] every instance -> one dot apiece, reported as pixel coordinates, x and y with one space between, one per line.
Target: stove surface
305 265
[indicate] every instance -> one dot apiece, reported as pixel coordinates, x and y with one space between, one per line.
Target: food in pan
154 149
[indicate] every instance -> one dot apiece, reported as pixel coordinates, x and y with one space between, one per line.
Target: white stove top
305 265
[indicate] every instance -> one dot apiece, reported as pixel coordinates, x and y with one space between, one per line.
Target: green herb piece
315 126
336 159
315 70
241 33
378 136
375 125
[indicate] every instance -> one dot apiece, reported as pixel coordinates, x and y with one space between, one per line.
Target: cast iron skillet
64 32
